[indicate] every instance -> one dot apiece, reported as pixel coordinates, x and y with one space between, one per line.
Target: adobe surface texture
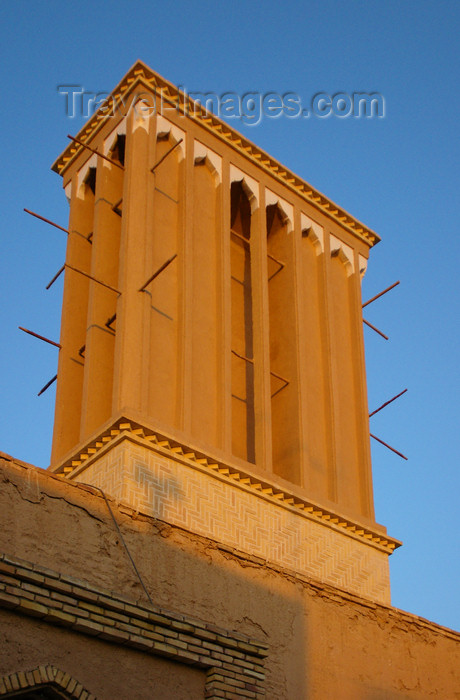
320 642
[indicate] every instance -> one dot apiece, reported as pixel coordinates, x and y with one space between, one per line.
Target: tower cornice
141 75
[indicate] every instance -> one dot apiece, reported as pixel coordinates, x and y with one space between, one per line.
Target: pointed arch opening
117 150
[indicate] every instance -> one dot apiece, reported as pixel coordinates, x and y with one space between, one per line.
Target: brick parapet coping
238 477
234 662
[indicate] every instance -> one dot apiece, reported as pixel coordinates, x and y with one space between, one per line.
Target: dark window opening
118 151
91 180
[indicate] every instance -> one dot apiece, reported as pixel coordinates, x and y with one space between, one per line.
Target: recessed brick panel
202 503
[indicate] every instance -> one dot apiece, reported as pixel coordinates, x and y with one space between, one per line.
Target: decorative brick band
159 477
237 477
234 662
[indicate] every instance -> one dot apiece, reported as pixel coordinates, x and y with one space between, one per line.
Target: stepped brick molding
234 662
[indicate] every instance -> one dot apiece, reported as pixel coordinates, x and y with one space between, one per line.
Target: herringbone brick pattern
181 495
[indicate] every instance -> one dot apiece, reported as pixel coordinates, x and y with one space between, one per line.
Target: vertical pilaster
330 449
283 335
226 360
100 339
362 412
203 327
73 323
131 307
221 360
317 421
347 397
261 314
165 294
188 281
183 242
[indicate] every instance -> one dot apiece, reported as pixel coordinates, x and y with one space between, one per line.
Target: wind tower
211 370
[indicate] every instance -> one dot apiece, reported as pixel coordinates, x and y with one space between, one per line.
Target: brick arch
43 683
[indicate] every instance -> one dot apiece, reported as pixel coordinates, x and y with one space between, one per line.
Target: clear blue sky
398 174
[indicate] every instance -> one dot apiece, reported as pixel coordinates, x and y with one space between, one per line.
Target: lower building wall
322 642
104 670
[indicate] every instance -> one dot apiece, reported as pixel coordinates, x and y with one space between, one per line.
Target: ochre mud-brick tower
212 364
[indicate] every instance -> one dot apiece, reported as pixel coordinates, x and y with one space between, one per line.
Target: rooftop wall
322 642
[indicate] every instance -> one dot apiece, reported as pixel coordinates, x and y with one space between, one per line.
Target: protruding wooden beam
165 155
47 385
40 337
94 279
375 329
400 454
377 296
85 145
60 271
157 272
387 402
52 223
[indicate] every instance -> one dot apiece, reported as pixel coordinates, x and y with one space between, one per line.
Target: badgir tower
206 528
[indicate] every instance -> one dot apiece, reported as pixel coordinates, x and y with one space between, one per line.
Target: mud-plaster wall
322 643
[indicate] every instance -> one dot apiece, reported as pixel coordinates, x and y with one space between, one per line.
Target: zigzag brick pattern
181 495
